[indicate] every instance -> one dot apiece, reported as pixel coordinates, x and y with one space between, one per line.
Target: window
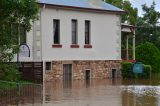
56 31
87 32
22 35
74 32
18 34
48 65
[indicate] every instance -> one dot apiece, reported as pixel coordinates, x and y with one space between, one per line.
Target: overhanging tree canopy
20 12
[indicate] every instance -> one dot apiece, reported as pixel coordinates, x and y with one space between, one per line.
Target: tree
132 13
20 12
15 14
149 29
150 16
149 54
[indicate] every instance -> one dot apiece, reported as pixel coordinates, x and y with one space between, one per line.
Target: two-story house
76 39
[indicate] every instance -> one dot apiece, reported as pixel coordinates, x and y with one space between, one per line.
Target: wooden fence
32 71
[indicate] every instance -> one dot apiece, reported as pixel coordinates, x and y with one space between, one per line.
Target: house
76 39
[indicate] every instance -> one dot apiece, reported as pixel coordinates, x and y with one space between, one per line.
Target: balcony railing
124 54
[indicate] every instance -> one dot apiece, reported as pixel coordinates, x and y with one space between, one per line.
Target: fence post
18 92
18 88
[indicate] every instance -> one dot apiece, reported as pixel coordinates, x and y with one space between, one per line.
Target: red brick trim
56 46
132 61
74 46
88 46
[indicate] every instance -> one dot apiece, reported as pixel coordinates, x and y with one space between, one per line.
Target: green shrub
147 71
9 72
127 73
126 69
148 53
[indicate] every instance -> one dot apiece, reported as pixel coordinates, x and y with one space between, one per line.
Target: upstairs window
22 35
74 32
87 32
56 31
18 33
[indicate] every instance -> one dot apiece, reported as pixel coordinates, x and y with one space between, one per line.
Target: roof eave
83 8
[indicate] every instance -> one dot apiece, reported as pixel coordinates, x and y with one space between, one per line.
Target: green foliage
151 16
147 71
127 72
4 85
21 13
148 53
126 69
132 13
15 14
9 72
149 31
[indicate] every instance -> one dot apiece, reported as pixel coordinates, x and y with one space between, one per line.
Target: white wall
29 42
105 36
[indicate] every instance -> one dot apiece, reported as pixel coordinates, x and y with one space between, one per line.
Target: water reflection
113 92
88 83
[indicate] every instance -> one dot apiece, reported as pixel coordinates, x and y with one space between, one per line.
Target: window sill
56 46
87 46
74 46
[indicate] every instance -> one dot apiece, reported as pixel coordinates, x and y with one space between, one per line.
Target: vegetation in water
127 72
149 54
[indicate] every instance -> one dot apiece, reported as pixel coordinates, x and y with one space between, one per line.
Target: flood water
106 92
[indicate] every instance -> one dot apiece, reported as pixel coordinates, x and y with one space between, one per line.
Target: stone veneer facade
99 69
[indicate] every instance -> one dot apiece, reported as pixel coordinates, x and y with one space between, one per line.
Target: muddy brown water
106 92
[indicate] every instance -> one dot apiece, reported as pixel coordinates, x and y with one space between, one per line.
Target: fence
12 93
32 71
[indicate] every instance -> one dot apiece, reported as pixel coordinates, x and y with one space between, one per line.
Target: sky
138 3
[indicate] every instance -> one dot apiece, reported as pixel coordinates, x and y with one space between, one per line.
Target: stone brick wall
99 69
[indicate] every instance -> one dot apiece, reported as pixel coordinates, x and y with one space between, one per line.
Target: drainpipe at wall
44 6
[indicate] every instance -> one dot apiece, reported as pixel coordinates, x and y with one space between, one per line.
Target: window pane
87 32
22 35
16 30
14 33
74 31
56 26
48 65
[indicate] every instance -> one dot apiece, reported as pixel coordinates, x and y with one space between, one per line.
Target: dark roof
83 4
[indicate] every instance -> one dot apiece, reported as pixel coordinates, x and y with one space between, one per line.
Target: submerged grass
12 85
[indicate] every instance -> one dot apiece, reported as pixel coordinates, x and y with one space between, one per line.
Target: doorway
88 74
114 73
67 72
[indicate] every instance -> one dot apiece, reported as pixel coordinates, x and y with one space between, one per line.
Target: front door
67 72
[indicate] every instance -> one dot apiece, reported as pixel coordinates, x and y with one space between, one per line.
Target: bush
127 72
147 71
9 72
148 53
126 69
